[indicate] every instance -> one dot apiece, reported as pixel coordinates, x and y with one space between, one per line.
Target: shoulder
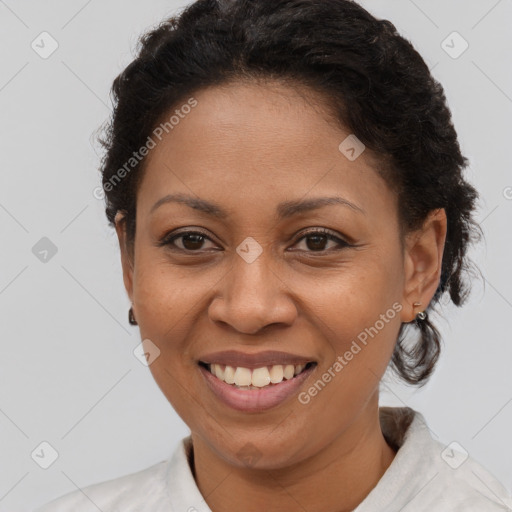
466 487
473 489
141 490
451 480
428 475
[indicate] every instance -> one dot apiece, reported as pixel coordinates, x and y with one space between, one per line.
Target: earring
421 315
131 317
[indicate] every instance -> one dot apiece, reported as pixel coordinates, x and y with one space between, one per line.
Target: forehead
257 144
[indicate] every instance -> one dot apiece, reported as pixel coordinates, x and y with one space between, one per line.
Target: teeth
257 378
218 371
276 374
289 371
260 377
299 368
229 375
242 376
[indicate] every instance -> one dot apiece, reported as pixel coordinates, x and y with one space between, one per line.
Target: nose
252 296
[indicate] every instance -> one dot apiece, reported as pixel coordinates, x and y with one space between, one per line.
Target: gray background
68 375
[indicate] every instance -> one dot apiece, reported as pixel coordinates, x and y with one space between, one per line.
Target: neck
342 474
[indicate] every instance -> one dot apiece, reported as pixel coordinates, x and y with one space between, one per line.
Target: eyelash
168 240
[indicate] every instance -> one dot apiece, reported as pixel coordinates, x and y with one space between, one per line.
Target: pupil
316 238
197 239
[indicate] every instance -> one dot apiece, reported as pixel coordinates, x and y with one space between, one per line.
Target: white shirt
425 476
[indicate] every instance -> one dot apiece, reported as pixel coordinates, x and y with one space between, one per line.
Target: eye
192 241
316 240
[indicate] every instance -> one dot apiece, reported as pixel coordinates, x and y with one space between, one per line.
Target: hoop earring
131 317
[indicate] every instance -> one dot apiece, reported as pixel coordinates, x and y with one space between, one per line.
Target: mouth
268 376
258 389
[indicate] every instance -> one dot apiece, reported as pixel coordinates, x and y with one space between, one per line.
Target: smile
242 395
257 378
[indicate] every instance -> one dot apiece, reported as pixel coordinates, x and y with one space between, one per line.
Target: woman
287 188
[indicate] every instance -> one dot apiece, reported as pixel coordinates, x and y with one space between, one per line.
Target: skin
248 147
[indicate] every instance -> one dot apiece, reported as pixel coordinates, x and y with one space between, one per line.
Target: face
268 269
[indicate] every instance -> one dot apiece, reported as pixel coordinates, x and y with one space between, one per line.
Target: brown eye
192 241
316 241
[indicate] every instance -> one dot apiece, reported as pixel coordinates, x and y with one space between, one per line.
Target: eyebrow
285 209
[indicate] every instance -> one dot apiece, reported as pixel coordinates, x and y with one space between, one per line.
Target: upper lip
256 360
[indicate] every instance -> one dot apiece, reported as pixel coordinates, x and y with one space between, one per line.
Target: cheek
166 297
358 311
357 295
166 305
358 318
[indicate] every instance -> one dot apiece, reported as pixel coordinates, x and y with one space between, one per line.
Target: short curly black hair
376 83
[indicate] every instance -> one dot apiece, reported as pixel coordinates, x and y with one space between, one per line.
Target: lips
255 382
236 358
256 400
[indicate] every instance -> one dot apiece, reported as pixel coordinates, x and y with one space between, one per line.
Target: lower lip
255 400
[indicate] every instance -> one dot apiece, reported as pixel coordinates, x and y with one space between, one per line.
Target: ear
423 263
126 259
